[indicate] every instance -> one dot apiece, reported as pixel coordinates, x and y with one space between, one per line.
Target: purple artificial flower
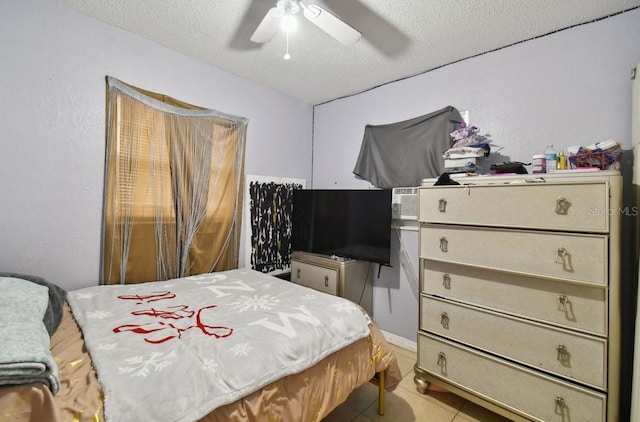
466 136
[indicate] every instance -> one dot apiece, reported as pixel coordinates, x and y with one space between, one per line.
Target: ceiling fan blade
268 27
330 24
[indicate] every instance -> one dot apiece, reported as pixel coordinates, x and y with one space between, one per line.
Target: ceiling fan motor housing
288 6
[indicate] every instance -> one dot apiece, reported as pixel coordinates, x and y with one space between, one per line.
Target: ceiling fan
281 16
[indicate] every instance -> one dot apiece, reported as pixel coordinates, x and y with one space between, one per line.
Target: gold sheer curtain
173 187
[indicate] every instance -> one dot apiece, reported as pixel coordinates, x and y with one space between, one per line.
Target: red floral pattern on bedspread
158 331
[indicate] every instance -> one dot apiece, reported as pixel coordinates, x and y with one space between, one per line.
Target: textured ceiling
400 38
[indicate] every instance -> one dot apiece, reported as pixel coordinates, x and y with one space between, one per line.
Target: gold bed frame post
381 381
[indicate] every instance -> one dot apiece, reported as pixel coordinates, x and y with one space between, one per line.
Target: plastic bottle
539 164
562 160
551 156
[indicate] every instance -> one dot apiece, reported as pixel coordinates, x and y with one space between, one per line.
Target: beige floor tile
362 418
405 406
447 400
471 412
408 383
342 413
406 364
362 397
402 351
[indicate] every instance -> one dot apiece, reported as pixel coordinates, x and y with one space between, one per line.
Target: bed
158 319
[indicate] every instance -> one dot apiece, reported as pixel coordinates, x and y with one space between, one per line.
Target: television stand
344 277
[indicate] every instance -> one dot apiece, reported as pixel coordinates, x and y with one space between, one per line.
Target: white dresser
519 306
348 278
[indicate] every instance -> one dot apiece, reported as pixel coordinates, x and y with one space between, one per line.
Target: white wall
52 137
568 88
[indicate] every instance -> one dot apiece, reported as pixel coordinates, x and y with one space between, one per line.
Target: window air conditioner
404 203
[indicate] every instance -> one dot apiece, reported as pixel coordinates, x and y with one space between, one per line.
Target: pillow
57 297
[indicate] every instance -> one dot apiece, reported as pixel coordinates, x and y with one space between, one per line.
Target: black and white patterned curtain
271 205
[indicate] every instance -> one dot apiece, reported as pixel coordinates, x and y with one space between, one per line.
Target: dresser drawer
573 257
575 356
575 207
575 306
314 276
516 388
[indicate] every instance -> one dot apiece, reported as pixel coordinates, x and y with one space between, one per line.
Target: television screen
346 223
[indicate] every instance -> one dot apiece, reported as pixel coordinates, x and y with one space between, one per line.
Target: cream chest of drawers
519 305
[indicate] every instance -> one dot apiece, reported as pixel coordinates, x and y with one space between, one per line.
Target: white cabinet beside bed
519 306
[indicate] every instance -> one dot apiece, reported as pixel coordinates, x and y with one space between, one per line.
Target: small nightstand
342 277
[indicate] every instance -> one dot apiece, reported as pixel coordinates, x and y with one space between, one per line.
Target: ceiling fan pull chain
287 56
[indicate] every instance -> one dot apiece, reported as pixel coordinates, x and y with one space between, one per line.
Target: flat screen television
346 223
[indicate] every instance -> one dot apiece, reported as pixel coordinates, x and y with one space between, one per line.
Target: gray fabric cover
57 297
403 153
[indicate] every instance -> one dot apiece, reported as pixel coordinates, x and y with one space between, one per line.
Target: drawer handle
562 206
444 320
444 243
298 273
562 303
442 363
563 355
560 254
560 406
564 257
326 281
442 205
446 281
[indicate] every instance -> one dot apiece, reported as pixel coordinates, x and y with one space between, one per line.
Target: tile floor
406 404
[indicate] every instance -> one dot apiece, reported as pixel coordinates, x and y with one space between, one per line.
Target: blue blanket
24 351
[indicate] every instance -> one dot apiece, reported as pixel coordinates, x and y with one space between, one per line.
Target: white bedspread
176 350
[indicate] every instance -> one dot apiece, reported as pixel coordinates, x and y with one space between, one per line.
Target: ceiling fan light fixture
289 23
282 16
